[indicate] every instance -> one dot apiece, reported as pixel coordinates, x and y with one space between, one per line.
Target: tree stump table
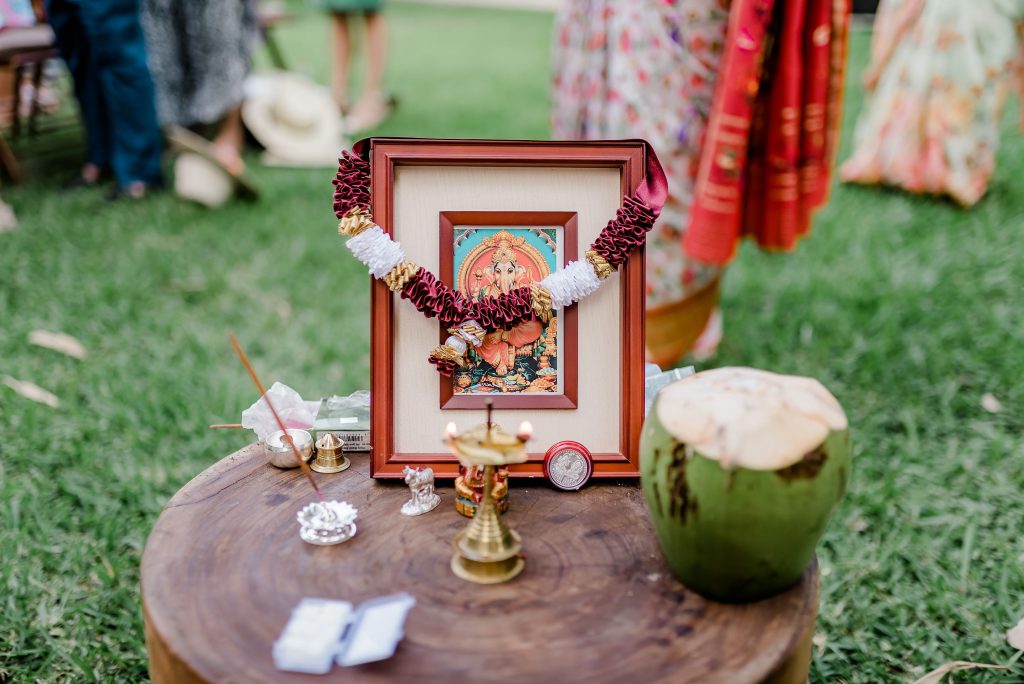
224 567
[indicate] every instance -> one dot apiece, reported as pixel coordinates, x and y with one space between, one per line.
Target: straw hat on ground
198 174
295 119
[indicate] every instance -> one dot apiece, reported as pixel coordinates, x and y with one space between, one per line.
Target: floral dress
939 75
645 69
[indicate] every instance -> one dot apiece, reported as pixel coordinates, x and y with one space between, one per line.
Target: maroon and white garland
466 320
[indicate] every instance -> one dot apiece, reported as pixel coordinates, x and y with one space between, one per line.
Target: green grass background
908 309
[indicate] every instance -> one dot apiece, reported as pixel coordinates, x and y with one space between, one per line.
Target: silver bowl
280 453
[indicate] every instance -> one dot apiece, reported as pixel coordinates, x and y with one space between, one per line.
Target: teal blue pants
102 43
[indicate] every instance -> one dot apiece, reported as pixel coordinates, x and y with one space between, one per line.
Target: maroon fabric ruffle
351 184
444 366
627 231
501 313
433 298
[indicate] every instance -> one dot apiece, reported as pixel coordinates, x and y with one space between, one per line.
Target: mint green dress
347 6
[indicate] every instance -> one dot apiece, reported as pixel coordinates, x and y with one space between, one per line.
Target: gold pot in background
673 328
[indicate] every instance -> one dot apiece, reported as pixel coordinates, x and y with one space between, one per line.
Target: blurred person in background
741 101
374 105
102 43
200 54
939 74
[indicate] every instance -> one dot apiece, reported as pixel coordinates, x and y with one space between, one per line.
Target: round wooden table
224 567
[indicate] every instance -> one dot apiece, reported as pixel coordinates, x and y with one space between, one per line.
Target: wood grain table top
224 567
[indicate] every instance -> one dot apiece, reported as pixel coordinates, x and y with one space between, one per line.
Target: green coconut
741 470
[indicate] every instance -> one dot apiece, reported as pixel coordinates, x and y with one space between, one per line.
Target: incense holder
324 523
280 453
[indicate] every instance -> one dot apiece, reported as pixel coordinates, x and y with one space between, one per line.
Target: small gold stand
330 455
487 551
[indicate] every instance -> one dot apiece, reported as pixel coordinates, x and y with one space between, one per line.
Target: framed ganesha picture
487 254
508 272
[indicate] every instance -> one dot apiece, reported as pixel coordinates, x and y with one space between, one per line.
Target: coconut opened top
749 418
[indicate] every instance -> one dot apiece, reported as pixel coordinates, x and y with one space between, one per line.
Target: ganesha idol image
502 276
498 264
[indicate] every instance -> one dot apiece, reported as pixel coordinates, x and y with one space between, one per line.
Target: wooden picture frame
566 221
418 180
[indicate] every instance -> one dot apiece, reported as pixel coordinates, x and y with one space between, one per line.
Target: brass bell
330 454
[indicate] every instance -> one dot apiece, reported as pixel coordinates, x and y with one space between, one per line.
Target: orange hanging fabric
781 204
767 157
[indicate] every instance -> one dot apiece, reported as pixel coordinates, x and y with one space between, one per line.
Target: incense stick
226 425
263 393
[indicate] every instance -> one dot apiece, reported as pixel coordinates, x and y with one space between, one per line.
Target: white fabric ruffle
571 284
456 343
377 250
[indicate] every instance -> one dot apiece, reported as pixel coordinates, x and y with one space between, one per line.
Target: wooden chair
24 51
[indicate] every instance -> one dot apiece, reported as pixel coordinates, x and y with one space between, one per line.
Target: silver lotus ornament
327 522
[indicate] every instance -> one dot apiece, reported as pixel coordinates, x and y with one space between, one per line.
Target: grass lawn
907 309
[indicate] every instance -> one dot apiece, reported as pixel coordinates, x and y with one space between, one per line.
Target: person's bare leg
227 145
341 48
376 52
373 106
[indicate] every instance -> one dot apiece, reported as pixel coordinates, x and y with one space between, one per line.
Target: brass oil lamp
487 551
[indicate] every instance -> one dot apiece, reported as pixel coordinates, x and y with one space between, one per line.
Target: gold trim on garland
400 275
355 222
601 266
445 352
469 331
540 300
